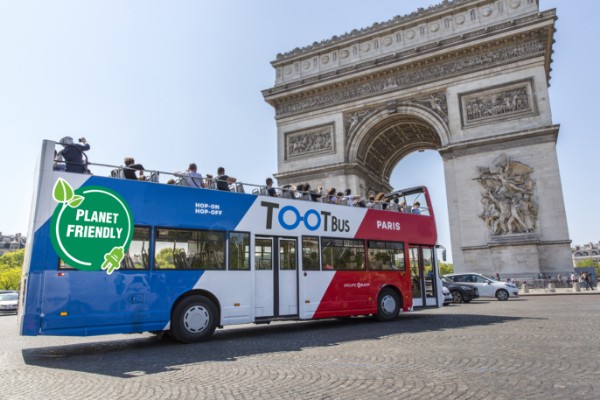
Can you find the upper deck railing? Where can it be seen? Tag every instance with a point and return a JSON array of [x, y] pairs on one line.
[[411, 201]]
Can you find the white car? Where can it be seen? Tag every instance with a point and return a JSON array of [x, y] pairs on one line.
[[447, 295], [9, 302], [487, 287]]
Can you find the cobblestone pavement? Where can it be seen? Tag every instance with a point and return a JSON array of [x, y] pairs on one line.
[[527, 348]]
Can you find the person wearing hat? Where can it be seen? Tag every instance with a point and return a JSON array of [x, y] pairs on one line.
[[73, 154]]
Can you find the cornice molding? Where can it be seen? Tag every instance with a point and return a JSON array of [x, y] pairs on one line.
[[322, 74], [500, 142]]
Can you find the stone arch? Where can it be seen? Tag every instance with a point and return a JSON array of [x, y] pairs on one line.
[[475, 90], [383, 138]]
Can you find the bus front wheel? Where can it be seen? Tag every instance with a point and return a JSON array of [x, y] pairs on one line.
[[194, 319], [388, 305]]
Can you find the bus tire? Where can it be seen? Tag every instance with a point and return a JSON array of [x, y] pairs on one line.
[[194, 319], [388, 305]]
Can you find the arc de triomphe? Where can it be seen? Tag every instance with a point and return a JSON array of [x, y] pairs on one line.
[[468, 78]]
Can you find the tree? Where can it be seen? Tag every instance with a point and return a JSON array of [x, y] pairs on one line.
[[13, 259], [11, 265], [446, 268]]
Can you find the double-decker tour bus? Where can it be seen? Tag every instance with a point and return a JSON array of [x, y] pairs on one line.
[[108, 255]]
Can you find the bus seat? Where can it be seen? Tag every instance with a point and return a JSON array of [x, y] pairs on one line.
[[239, 187], [154, 176]]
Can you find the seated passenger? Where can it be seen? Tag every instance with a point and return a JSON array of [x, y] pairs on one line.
[[394, 204], [300, 191], [288, 192], [350, 197], [223, 180], [331, 195], [192, 177], [380, 202], [270, 189], [416, 208], [313, 195], [131, 167], [371, 202]]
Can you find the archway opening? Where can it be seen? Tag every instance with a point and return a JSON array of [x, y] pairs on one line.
[[425, 167], [401, 151]]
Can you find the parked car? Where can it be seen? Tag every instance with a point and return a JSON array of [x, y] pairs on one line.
[[487, 287], [461, 293], [8, 302], [447, 295]]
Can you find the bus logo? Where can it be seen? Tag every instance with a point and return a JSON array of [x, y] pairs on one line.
[[91, 227], [312, 219]]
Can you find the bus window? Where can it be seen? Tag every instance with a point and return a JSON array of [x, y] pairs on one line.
[[263, 250], [287, 254], [386, 256], [342, 254], [189, 249], [310, 253], [136, 256], [239, 251]]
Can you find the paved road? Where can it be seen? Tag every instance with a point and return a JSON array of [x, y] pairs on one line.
[[529, 348]]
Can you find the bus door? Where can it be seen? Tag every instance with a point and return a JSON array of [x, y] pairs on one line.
[[423, 276], [276, 283]]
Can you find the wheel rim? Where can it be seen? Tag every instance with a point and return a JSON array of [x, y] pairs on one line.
[[502, 295], [456, 297], [196, 319], [388, 304]]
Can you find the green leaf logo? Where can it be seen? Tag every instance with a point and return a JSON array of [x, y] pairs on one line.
[[76, 201], [63, 192]]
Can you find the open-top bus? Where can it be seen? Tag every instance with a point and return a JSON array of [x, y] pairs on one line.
[[109, 255]]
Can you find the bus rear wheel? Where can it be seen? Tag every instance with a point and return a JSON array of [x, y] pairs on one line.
[[194, 319], [388, 305]]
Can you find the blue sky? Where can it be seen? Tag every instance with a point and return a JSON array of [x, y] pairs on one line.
[[171, 82]]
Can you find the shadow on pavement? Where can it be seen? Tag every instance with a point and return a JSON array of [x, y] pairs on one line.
[[150, 355]]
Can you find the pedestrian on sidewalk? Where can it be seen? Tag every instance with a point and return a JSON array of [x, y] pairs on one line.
[[588, 279]]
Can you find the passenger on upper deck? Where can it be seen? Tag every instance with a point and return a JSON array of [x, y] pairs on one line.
[[223, 180], [73, 154], [192, 177], [380, 202], [350, 197], [131, 167], [314, 196], [371, 201], [331, 195], [394, 206], [270, 189], [416, 209]]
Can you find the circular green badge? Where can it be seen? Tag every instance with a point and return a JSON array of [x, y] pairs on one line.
[[91, 227]]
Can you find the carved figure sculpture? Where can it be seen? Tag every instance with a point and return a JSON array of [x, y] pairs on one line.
[[507, 199]]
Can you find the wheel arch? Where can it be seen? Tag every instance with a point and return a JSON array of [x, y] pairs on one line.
[[199, 292], [395, 289]]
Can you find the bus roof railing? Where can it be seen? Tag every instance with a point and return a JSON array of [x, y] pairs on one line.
[[287, 191]]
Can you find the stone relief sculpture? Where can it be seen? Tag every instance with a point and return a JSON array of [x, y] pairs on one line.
[[436, 102], [497, 103], [304, 143], [406, 79], [507, 201]]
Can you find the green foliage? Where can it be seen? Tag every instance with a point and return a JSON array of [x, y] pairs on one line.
[[446, 268], [589, 263], [10, 269], [14, 259], [164, 259]]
